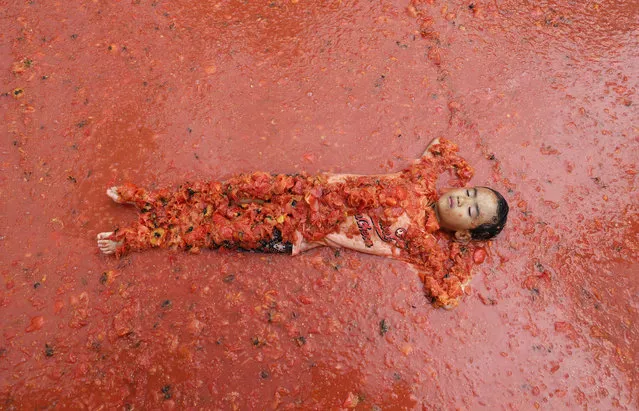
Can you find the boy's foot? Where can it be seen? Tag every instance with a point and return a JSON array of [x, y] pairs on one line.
[[106, 245], [113, 193]]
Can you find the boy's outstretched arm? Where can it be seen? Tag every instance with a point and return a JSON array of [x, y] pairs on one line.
[[428, 152]]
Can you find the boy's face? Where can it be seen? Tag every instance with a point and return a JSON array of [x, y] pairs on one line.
[[463, 209]]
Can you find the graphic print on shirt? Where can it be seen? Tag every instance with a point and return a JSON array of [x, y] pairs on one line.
[[365, 229], [383, 231]]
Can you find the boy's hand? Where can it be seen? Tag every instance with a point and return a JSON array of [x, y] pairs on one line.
[[433, 143]]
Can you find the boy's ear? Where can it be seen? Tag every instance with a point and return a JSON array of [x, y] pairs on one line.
[[462, 236]]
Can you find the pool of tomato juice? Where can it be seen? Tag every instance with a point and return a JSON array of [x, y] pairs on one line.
[[540, 98]]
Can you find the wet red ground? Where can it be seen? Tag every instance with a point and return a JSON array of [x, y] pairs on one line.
[[542, 98]]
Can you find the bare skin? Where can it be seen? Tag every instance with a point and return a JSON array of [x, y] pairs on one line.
[[104, 244]]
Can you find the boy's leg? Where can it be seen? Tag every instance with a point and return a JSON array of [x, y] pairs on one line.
[[107, 244], [129, 194]]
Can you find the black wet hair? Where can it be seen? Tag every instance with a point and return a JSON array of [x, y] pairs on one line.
[[487, 231]]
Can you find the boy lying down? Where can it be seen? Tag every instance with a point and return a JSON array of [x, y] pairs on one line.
[[399, 215]]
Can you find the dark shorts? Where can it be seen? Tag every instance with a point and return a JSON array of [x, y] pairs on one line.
[[275, 245]]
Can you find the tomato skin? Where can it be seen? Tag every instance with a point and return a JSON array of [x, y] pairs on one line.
[[35, 324], [305, 300], [351, 401], [479, 255]]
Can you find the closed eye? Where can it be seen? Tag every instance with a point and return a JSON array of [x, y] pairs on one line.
[[468, 193], [470, 214]]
